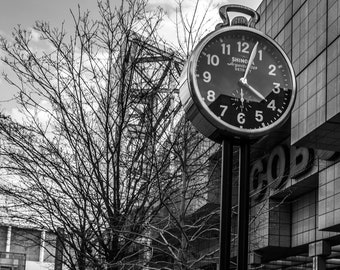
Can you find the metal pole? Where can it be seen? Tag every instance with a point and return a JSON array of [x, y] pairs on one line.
[[226, 195], [243, 207]]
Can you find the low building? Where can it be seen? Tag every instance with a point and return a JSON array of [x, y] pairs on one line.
[[24, 248]]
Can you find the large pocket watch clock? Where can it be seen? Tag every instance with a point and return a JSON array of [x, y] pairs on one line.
[[238, 83]]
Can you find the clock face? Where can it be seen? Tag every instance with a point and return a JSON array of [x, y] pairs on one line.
[[242, 81]]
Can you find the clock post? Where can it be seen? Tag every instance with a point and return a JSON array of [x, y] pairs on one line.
[[243, 206], [238, 85], [226, 203]]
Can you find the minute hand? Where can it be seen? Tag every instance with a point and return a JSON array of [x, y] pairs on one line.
[[250, 61]]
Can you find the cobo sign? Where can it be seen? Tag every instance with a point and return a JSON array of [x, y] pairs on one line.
[[281, 164]]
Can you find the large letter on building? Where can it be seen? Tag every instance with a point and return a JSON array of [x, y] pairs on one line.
[[258, 181], [277, 167]]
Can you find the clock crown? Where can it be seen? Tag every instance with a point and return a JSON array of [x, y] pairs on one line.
[[239, 20]]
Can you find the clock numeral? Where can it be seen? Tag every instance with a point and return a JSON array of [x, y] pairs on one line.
[[276, 89], [259, 116], [206, 76], [272, 69], [213, 59], [271, 105], [225, 48], [260, 52], [211, 96], [241, 118], [224, 109], [243, 47]]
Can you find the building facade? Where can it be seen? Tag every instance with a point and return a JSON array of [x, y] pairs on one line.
[[300, 227], [296, 192], [295, 173]]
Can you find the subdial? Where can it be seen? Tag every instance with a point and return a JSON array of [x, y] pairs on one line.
[[240, 100]]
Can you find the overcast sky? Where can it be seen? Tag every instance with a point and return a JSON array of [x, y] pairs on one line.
[[26, 12]]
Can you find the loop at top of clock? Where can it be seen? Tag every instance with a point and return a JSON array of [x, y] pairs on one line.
[[238, 20]]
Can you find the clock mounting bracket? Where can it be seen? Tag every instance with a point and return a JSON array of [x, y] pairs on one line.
[[238, 20]]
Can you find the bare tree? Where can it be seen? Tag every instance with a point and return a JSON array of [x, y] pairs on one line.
[[189, 217], [101, 157], [86, 156]]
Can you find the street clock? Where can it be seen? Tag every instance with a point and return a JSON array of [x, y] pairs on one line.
[[238, 83]]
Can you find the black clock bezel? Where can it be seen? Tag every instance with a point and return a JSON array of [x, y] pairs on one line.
[[222, 127]]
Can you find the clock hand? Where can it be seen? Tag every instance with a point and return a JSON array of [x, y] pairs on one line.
[[252, 89], [242, 98], [250, 62]]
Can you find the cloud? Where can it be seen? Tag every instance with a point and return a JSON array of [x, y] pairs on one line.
[[35, 35], [169, 6], [208, 8], [42, 114], [172, 26]]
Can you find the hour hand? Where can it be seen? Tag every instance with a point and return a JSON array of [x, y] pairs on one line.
[[245, 84]]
